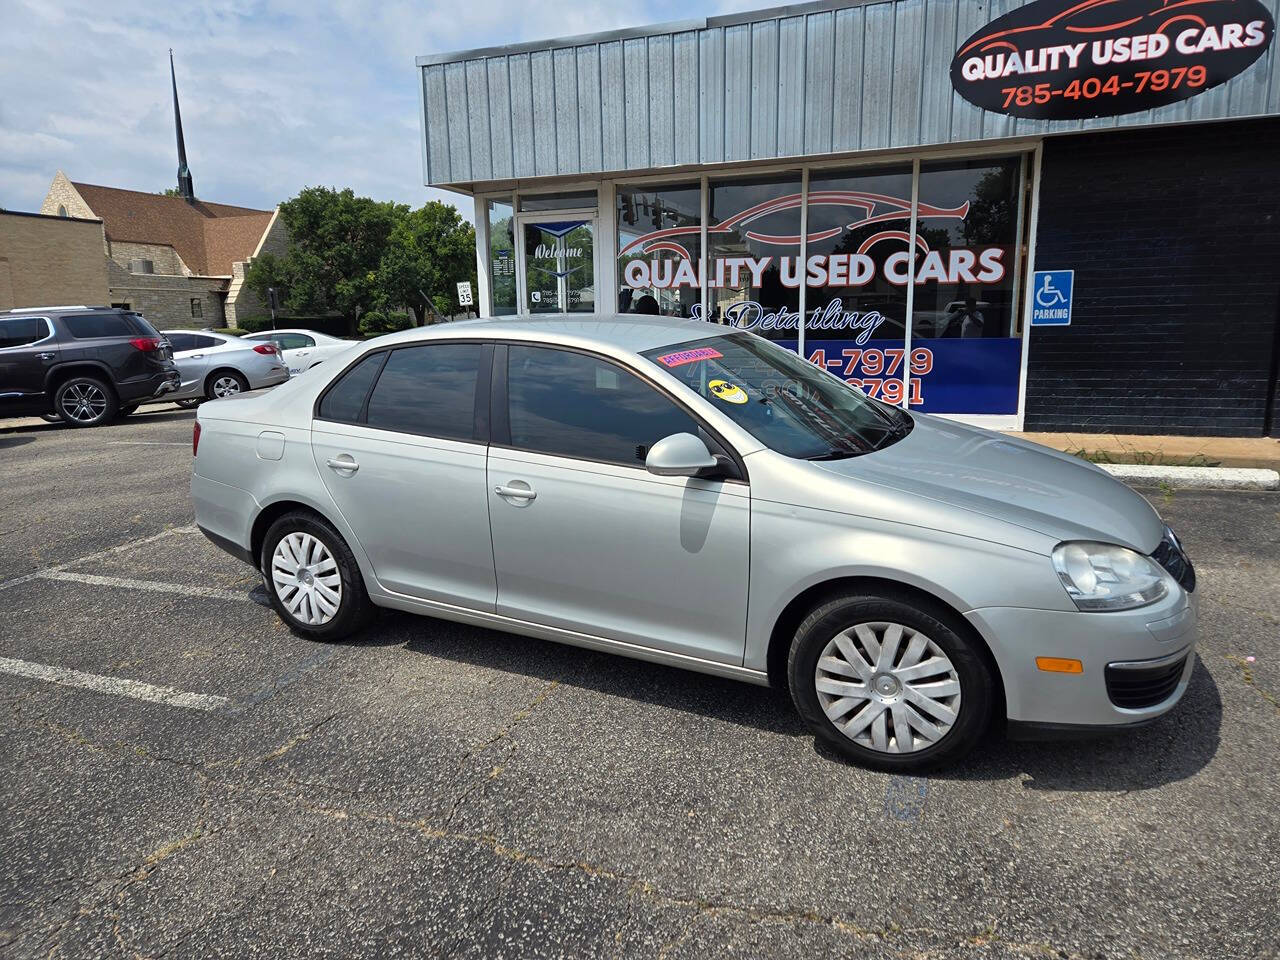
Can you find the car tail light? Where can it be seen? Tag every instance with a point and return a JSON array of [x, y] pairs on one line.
[[146, 344], [195, 439], [268, 348]]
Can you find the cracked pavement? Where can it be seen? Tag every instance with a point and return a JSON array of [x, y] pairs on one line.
[[437, 790]]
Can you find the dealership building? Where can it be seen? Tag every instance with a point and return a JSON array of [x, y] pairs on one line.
[[1055, 215]]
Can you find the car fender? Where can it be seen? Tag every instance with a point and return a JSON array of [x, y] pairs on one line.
[[794, 549], [62, 365]]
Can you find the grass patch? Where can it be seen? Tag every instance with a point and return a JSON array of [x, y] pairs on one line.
[[1150, 458]]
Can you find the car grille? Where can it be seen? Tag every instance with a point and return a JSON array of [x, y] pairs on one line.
[[1170, 556], [1136, 687]]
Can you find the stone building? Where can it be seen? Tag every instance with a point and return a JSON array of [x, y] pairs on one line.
[[178, 261], [50, 260]]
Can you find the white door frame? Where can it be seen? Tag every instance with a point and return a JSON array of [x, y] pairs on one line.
[[590, 215]]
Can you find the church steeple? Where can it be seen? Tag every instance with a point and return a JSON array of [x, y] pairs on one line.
[[185, 188]]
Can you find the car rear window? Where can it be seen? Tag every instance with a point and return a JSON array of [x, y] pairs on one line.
[[86, 326]]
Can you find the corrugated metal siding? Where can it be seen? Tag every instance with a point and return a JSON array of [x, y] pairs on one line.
[[813, 79]]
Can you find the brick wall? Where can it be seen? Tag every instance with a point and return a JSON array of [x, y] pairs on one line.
[[1174, 235], [241, 301], [164, 259], [50, 260], [62, 193], [166, 300]]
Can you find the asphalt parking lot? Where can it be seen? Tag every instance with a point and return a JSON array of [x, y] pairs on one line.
[[439, 790]]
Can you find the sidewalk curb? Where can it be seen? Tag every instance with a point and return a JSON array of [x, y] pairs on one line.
[[1195, 478]]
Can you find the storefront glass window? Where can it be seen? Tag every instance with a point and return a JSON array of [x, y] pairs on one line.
[[966, 270], [753, 255], [660, 249], [575, 200], [856, 274], [502, 258], [559, 259]]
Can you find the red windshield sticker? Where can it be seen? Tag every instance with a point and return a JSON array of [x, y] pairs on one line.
[[689, 356]]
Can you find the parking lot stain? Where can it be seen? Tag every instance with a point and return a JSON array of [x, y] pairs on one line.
[[904, 798]]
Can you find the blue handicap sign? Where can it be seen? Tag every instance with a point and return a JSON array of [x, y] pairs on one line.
[[1051, 298]]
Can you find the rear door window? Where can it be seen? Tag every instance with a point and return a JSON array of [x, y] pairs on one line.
[[181, 341], [344, 401], [87, 326], [428, 390]]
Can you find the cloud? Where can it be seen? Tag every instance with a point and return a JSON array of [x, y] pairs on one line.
[[275, 94]]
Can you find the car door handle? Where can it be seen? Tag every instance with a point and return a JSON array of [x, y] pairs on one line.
[[196, 356], [342, 463], [515, 493], [45, 356]]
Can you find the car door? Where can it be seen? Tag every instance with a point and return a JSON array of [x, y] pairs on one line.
[[296, 348], [28, 349], [191, 360], [584, 538], [400, 442]]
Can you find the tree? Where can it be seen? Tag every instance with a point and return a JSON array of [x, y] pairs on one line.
[[429, 251], [336, 244]]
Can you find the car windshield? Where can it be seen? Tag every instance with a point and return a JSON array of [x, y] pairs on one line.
[[785, 402]]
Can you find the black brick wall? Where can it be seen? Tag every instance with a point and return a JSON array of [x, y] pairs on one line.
[[1174, 235]]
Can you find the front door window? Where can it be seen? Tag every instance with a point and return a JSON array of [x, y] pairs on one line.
[[559, 266]]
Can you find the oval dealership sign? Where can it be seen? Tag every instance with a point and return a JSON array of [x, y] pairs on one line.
[[1071, 59]]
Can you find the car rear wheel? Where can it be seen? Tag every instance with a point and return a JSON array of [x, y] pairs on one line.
[[313, 579], [225, 383], [84, 401], [190, 403], [889, 683]]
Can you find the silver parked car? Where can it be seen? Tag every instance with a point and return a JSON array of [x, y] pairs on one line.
[[694, 495], [215, 365]]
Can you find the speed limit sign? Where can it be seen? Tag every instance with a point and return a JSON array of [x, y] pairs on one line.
[[464, 294]]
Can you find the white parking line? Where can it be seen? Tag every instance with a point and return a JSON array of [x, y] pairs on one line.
[[155, 443], [152, 585], [114, 685], [58, 568]]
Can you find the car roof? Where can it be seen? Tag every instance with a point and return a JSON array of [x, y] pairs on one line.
[[309, 333], [629, 332]]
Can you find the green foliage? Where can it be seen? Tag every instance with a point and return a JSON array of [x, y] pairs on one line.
[[376, 322], [253, 323], [350, 256], [431, 249]]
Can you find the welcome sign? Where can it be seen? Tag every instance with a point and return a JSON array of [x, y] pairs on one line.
[[1076, 59]]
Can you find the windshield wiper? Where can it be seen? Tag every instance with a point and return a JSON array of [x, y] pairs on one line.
[[837, 455]]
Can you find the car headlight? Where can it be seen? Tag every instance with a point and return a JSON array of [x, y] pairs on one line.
[[1102, 576]]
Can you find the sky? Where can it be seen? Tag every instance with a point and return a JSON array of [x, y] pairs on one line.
[[275, 95]]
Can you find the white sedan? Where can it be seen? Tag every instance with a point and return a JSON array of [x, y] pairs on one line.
[[302, 349]]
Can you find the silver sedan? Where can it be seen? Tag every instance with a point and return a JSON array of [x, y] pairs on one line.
[[216, 365], [695, 495]]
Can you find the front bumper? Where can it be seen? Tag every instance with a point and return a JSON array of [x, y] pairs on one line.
[[1136, 663]]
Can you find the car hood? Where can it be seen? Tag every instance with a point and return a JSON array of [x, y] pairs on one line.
[[1012, 480]]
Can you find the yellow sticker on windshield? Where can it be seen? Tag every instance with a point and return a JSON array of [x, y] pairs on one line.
[[728, 392]]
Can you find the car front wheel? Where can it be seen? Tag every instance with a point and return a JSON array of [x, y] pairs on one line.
[[888, 683], [313, 579], [85, 401]]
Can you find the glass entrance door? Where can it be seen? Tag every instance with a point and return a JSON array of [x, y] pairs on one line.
[[558, 264]]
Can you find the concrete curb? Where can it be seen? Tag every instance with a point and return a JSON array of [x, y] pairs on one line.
[[1195, 478]]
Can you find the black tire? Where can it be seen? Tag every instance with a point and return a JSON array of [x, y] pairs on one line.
[[85, 401], [51, 417], [934, 624], [212, 384], [190, 403], [126, 411], [354, 609]]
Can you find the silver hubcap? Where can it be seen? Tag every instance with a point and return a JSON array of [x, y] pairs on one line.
[[226, 387], [83, 402], [887, 687], [306, 578]]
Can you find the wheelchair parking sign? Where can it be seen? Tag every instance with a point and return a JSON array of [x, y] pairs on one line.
[[1051, 298]]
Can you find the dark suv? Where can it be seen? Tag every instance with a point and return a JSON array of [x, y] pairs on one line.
[[85, 365]]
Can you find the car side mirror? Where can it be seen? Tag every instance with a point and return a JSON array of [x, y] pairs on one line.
[[680, 455]]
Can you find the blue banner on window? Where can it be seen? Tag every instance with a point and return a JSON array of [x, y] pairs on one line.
[[948, 375]]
